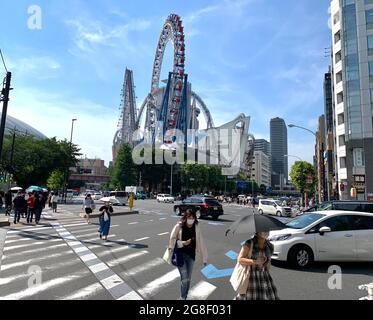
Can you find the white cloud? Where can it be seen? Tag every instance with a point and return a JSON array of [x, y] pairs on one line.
[[51, 114], [40, 67]]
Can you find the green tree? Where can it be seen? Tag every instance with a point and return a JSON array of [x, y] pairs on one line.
[[56, 180], [124, 172], [34, 160], [299, 173]]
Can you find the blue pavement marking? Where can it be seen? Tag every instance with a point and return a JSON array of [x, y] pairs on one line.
[[211, 272], [216, 223], [232, 255]]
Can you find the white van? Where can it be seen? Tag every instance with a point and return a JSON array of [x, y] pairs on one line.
[[274, 207]]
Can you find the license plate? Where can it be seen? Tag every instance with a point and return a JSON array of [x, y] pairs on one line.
[[215, 208]]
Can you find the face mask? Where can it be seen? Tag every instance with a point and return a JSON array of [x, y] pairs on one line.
[[264, 235], [190, 221]]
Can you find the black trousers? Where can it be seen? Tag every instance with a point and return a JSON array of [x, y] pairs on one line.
[[30, 214], [17, 214]]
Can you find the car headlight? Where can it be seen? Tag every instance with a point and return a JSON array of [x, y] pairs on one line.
[[280, 237]]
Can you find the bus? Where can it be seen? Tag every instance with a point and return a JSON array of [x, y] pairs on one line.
[[121, 196]]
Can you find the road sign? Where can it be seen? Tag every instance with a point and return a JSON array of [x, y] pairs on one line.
[[242, 184]]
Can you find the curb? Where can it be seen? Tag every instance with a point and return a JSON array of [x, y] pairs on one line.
[[2, 242], [4, 222], [120, 213]]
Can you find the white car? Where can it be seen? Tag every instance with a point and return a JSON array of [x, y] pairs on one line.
[[96, 196], [165, 198], [274, 207], [336, 236]]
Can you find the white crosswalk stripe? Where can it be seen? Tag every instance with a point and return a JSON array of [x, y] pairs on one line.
[[84, 293], [201, 291], [145, 267], [152, 288], [115, 262]]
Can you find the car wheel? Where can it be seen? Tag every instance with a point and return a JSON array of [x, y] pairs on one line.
[[278, 213], [198, 214], [300, 256], [179, 212], [261, 211]]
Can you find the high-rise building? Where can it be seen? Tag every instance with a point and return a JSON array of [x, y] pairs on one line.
[[279, 150], [328, 102], [262, 145], [261, 173], [352, 31], [320, 160]]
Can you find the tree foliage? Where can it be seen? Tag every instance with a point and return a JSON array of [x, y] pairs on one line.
[[34, 160], [56, 180], [299, 173], [124, 171]]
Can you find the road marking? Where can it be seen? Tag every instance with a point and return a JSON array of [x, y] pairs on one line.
[[42, 287], [113, 283], [75, 224], [133, 223], [52, 267], [87, 235], [29, 229], [97, 238], [29, 261], [162, 218], [143, 267], [84, 293], [201, 291], [232, 255], [149, 220], [115, 262], [157, 285], [162, 234], [41, 238], [22, 253], [211, 272], [31, 244], [141, 239]]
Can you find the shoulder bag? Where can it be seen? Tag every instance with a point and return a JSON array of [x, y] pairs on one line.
[[241, 276]]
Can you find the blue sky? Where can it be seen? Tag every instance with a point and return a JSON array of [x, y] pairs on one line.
[[264, 58]]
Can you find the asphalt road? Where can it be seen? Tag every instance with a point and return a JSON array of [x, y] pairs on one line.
[[75, 264]]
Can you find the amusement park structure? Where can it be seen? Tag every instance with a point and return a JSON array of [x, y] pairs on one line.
[[175, 106]]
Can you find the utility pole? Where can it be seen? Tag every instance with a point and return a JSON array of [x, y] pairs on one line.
[[4, 97]]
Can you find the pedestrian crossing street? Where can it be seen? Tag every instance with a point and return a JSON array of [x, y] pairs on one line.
[[65, 259]]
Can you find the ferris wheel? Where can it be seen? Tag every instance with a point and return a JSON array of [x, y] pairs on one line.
[[172, 31]]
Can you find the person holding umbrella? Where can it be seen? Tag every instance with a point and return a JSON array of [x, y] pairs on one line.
[[105, 219], [256, 254]]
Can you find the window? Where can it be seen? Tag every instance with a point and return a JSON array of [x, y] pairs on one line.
[[369, 18], [344, 206], [338, 57], [342, 140], [341, 118], [368, 1], [358, 157], [337, 37], [370, 71], [339, 97], [338, 77], [336, 18], [370, 45], [363, 223], [342, 163], [367, 207], [337, 224]]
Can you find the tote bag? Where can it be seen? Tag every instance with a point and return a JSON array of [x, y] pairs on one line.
[[241, 275]]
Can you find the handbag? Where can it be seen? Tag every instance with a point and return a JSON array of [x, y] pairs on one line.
[[177, 258], [167, 256], [241, 276]]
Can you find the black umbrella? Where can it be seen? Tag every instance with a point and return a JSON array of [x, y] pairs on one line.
[[254, 223]]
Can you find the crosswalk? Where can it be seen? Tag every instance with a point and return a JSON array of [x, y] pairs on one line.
[[75, 264]]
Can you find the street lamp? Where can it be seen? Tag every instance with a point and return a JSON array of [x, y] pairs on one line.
[[67, 169], [289, 155], [299, 127]]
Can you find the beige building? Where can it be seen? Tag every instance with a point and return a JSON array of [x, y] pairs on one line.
[[261, 172]]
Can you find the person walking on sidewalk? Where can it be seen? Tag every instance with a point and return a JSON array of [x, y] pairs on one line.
[[38, 207], [105, 220], [30, 207], [261, 285], [8, 202], [18, 204], [188, 237], [54, 201], [88, 206]]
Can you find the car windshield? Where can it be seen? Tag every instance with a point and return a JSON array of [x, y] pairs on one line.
[[325, 206], [212, 202], [279, 203], [167, 195], [304, 221]]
